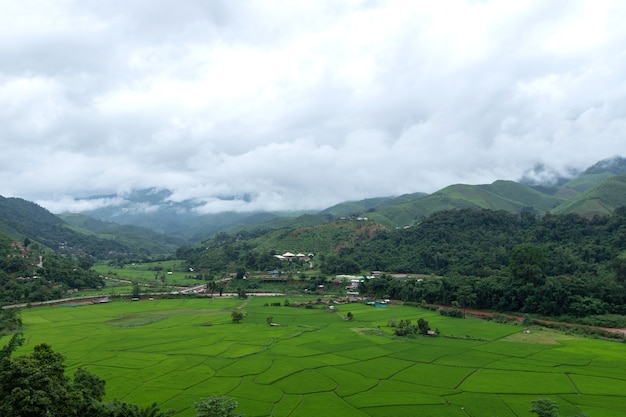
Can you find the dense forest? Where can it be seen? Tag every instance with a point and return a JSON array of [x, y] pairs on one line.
[[547, 264], [551, 265]]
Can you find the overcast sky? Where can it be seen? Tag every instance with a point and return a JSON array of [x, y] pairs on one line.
[[302, 104]]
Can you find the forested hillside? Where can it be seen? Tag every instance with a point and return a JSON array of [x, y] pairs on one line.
[[138, 239], [28, 274], [23, 219], [550, 264]]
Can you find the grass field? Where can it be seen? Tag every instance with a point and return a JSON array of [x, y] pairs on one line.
[[317, 364]]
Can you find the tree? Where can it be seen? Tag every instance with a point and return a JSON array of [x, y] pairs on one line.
[[618, 265], [241, 293], [16, 341], [423, 327], [405, 328], [10, 319], [237, 316], [136, 291], [212, 286], [241, 273], [527, 263], [466, 297], [544, 407], [216, 406], [35, 385]]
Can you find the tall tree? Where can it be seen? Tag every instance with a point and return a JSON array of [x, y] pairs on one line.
[[216, 406], [527, 262], [544, 407]]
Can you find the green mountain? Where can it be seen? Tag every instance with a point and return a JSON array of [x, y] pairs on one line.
[[153, 209], [500, 195], [21, 219], [600, 200], [138, 239], [592, 176]]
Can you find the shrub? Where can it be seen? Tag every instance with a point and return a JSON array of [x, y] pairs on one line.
[[451, 312]]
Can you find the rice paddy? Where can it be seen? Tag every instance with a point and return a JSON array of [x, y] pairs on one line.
[[316, 363]]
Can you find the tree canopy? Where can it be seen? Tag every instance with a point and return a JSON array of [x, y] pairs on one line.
[[36, 385]]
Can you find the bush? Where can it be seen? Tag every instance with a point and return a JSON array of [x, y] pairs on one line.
[[451, 312]]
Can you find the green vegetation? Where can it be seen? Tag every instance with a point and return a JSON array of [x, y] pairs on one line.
[[565, 266], [599, 200], [10, 320], [138, 240], [35, 385], [217, 406], [21, 219], [179, 351], [29, 274], [236, 316]]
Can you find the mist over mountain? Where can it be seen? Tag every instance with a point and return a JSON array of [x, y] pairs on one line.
[[542, 188], [542, 175], [615, 165]]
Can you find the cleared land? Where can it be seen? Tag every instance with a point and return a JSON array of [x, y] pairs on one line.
[[317, 364]]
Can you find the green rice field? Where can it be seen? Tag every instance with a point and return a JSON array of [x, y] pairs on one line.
[[315, 363]]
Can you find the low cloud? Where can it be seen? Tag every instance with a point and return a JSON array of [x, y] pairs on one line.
[[298, 106]]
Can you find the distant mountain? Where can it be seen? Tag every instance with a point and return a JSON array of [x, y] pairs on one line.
[[152, 209], [553, 195], [21, 219], [500, 195], [615, 165], [138, 239], [541, 189]]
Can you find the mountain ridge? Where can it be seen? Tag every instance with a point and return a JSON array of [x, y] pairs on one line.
[[180, 219]]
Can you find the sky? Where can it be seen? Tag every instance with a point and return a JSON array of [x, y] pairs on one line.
[[292, 105]]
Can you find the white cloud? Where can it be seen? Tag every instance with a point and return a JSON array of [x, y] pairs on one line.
[[61, 204], [302, 105]]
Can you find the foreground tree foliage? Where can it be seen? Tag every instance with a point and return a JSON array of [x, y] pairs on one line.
[[10, 320], [35, 385]]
